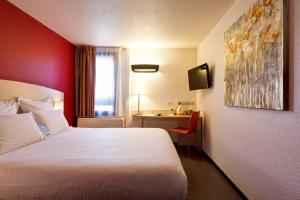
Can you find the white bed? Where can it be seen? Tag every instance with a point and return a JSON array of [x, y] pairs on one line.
[[79, 163], [95, 164]]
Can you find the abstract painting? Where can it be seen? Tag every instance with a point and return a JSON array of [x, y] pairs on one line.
[[256, 57]]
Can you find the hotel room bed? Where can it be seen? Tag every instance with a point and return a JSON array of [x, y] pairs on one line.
[[79, 163]]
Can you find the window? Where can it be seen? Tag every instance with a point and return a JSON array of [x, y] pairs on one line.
[[105, 93]]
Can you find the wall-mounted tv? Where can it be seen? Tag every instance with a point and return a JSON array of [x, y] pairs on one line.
[[199, 77]]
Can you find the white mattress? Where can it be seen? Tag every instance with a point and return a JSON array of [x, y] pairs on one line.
[[80, 163]]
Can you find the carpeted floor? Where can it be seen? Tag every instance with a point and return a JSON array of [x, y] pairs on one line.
[[204, 180]]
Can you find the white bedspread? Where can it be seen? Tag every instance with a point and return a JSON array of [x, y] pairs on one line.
[[102, 163]]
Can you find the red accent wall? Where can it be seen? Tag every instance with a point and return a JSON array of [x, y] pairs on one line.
[[30, 52]]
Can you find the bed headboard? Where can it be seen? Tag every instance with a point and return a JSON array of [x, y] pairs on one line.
[[12, 89]]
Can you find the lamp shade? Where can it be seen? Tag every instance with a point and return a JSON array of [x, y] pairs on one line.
[[144, 68]]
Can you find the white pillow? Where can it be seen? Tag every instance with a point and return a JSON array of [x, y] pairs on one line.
[[54, 120], [17, 131], [8, 107], [28, 105]]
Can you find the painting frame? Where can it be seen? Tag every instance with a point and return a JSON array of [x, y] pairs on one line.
[[266, 94]]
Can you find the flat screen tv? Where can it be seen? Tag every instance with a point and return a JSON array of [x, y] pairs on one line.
[[199, 77]]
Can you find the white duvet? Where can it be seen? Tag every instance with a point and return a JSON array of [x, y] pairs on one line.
[[102, 163]]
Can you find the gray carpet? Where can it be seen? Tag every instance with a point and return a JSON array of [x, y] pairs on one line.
[[204, 180]]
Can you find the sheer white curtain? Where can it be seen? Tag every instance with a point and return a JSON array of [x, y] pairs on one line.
[[122, 83], [112, 93]]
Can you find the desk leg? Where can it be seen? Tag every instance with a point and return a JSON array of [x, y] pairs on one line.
[[199, 135], [142, 122]]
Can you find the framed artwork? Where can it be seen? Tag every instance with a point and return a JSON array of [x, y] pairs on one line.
[[256, 57]]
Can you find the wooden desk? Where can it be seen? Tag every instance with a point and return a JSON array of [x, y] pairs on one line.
[[163, 116]]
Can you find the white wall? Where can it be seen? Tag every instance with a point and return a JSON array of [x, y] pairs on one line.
[[170, 83], [258, 149]]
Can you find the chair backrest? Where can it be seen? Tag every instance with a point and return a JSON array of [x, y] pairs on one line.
[[193, 121]]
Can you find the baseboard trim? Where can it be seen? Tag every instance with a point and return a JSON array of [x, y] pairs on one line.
[[241, 194]]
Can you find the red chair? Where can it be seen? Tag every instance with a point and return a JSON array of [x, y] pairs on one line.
[[192, 127]]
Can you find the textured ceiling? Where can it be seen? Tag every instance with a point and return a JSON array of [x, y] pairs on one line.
[[132, 23]]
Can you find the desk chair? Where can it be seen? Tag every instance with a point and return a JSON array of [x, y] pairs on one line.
[[192, 127]]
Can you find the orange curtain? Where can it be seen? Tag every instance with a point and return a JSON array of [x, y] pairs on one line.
[[85, 67]]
